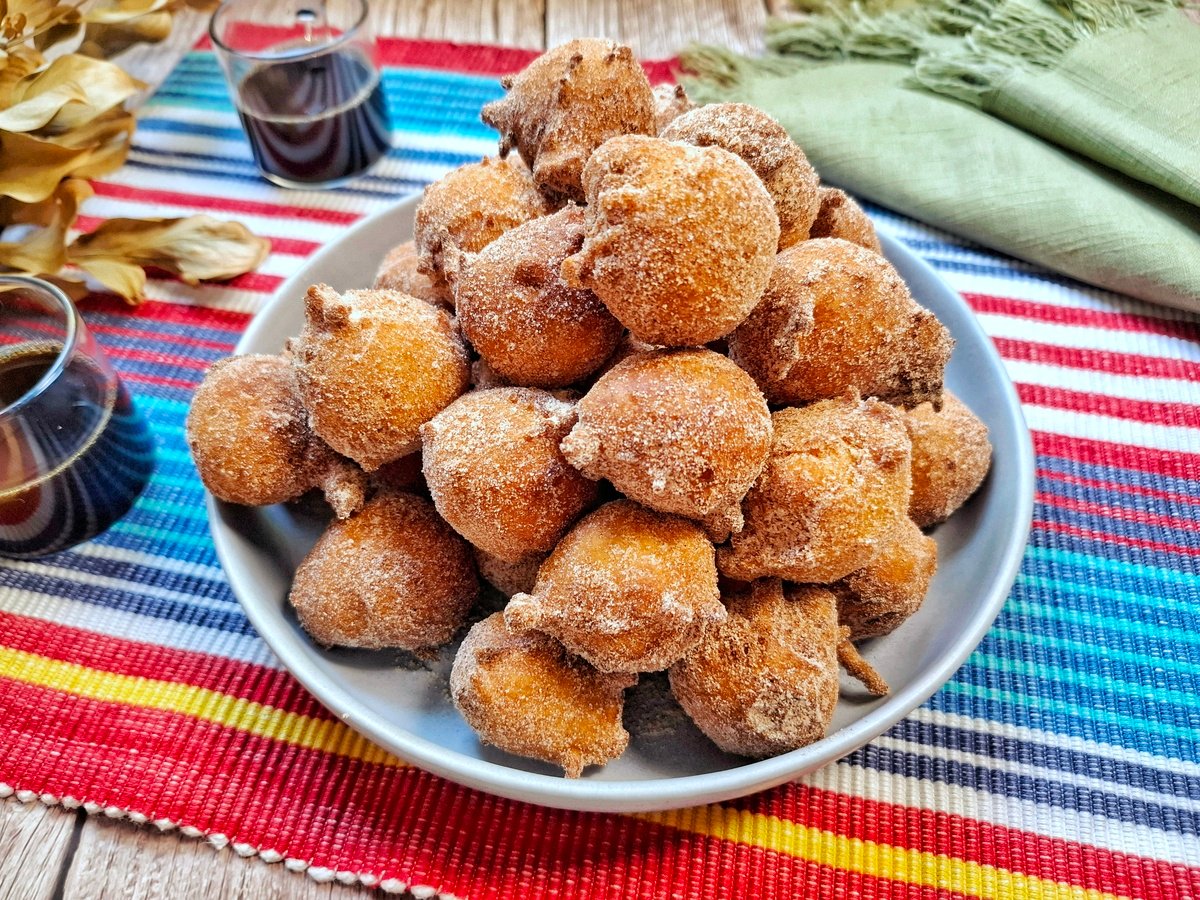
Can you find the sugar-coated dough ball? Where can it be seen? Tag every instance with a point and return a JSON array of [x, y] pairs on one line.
[[841, 217], [509, 576], [951, 457], [628, 589], [494, 469], [523, 693], [877, 598], [373, 367], [522, 318], [763, 143], [568, 102], [670, 102], [394, 575], [838, 317], [398, 272], [837, 481], [680, 239], [766, 680], [679, 431], [468, 209]]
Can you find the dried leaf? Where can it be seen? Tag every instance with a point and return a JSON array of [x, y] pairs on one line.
[[121, 277], [107, 137], [31, 168], [73, 91], [122, 11], [103, 41], [19, 64], [196, 248], [44, 249]]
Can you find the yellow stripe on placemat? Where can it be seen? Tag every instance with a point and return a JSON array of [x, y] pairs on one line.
[[197, 702], [917, 867]]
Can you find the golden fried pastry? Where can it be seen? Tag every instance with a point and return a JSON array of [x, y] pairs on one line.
[[249, 437], [670, 102], [877, 598], [768, 149], [373, 366], [951, 457], [526, 695], [495, 472], [841, 217], [398, 272], [394, 575], [468, 209], [628, 589], [866, 332], [509, 577], [680, 239], [679, 431], [765, 681], [568, 102], [837, 481], [520, 316]]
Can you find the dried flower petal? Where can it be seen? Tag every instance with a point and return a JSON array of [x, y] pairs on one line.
[[73, 91], [43, 251]]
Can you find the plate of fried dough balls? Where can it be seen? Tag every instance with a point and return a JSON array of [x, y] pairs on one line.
[[627, 468]]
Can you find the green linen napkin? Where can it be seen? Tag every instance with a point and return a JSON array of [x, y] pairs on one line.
[[1095, 175]]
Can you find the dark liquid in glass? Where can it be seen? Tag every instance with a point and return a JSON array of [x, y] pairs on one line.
[[87, 478], [315, 120]]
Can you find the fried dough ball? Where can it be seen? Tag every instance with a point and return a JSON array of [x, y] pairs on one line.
[[520, 316], [680, 239], [398, 272], [568, 102], [373, 367], [509, 577], [468, 209], [837, 481], [877, 598], [766, 680], [249, 436], [403, 474], [670, 102], [526, 695], [495, 472], [866, 332], [841, 217], [951, 457], [628, 589], [394, 575], [679, 431], [763, 143]]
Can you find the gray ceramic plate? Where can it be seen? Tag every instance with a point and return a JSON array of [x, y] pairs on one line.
[[404, 705]]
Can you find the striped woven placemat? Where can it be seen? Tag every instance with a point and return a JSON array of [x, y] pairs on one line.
[[1060, 761]]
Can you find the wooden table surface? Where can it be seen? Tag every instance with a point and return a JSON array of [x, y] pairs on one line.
[[49, 851]]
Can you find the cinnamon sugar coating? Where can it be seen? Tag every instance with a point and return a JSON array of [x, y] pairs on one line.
[[866, 332], [837, 481], [249, 436], [493, 466], [841, 217], [763, 143], [509, 576], [522, 318], [373, 366], [394, 575], [628, 589], [523, 693], [951, 457], [670, 102], [680, 239], [568, 102], [468, 209], [679, 431], [398, 272], [879, 597], [766, 680]]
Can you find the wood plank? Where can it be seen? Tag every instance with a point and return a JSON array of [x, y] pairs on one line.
[[662, 28], [117, 860], [152, 63], [508, 22], [35, 841]]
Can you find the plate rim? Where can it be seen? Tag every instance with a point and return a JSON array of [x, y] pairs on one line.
[[593, 795]]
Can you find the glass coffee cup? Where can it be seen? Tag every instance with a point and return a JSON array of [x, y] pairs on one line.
[[74, 451]]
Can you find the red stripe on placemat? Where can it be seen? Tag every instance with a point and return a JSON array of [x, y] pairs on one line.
[[949, 834], [162, 311], [1138, 489], [1098, 360], [1125, 456], [183, 384], [1184, 415], [1111, 538], [179, 338], [282, 245], [1118, 513], [1074, 315], [227, 204]]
